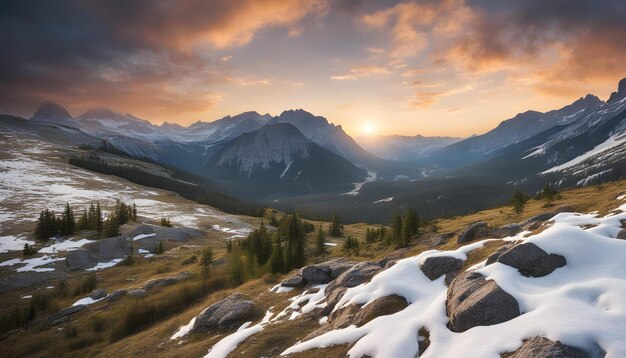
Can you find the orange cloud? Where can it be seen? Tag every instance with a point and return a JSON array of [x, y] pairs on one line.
[[361, 71]]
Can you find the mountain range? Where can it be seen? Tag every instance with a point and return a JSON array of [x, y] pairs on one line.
[[297, 154]]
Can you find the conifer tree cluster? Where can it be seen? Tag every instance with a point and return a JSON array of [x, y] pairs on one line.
[[351, 246], [336, 228], [49, 224], [518, 201], [264, 251]]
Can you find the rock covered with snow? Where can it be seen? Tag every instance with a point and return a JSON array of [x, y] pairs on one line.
[[531, 260], [474, 301], [229, 313], [506, 230], [536, 221], [62, 315], [354, 276], [474, 231], [541, 347]]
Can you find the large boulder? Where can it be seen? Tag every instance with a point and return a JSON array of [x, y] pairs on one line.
[[293, 281], [506, 230], [137, 293], [502, 249], [541, 347], [531, 260], [316, 274], [227, 314], [474, 231], [62, 315], [356, 275], [338, 266], [474, 301], [443, 238], [536, 221], [80, 259], [109, 248], [359, 315], [437, 266], [622, 234], [167, 281], [98, 294]]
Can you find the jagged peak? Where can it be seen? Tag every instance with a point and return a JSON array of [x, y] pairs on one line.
[[620, 93]]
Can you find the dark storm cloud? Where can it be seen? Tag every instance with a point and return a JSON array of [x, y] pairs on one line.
[[79, 52]]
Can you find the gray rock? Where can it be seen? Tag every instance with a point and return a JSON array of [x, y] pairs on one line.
[[98, 294], [137, 293], [474, 231], [506, 230], [540, 347], [394, 256], [383, 306], [167, 281], [229, 313], [536, 221], [116, 295], [502, 249], [473, 301], [356, 275], [293, 281], [531, 260], [316, 274], [622, 234], [338, 266], [443, 238], [62, 315], [79, 259], [435, 267], [109, 248]]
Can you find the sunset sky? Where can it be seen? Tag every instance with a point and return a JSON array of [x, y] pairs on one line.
[[424, 67]]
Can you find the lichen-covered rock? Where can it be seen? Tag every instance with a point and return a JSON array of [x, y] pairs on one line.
[[531, 260], [79, 259], [474, 301], [443, 238], [541, 347], [167, 281], [437, 266], [228, 314], [474, 231], [356, 275]]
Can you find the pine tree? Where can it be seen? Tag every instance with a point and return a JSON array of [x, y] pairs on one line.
[[98, 220], [518, 201], [236, 266], [206, 262], [319, 241], [277, 264], [159, 250], [335, 226], [409, 226], [396, 230], [134, 212], [69, 223]]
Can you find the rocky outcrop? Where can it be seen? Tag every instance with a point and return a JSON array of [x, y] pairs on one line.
[[167, 281], [356, 275], [63, 315], [506, 230], [116, 295], [443, 238], [536, 221], [531, 260], [80, 259], [294, 280], [540, 347], [359, 315], [437, 266], [137, 293], [502, 249], [474, 231], [98, 294], [474, 301], [316, 274], [227, 314]]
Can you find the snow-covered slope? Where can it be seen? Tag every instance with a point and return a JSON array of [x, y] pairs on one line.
[[514, 130]]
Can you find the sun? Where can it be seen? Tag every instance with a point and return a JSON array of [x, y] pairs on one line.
[[368, 129]]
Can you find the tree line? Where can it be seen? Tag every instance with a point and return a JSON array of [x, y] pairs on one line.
[[187, 185], [50, 224]]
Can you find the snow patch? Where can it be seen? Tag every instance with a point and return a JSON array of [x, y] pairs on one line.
[[611, 142], [228, 344]]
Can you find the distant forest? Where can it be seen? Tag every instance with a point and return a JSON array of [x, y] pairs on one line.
[[183, 184]]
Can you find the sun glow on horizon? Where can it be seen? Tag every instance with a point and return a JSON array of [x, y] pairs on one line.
[[368, 129]]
